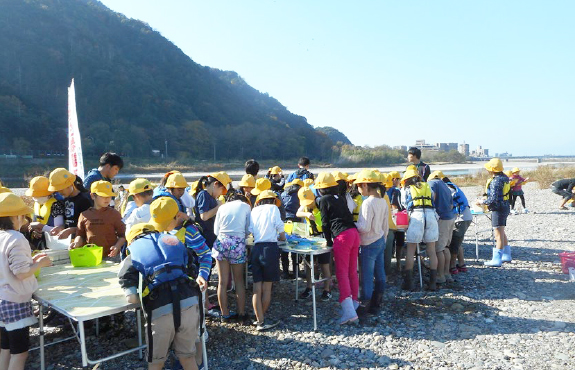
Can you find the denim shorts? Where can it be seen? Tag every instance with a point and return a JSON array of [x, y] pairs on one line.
[[265, 262], [499, 218]]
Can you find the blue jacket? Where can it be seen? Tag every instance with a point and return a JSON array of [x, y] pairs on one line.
[[443, 201], [92, 176], [291, 201]]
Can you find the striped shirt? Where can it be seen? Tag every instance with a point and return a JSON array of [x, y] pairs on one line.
[[195, 241]]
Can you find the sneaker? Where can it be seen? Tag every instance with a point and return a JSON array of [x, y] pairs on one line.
[[453, 271], [513, 212], [462, 268], [525, 210], [326, 296], [448, 278], [564, 208], [267, 325], [306, 294], [232, 316], [244, 319]]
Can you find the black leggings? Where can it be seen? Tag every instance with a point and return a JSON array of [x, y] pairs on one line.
[[514, 198], [17, 341]]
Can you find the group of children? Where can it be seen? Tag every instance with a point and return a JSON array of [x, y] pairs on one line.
[[173, 233]]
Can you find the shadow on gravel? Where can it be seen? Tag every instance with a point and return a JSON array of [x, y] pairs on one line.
[[448, 319]]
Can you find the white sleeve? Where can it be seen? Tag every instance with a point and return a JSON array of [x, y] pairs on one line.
[[217, 221], [278, 223]]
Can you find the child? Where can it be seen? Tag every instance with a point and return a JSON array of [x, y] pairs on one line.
[[252, 167], [393, 191], [443, 202], [76, 200], [101, 225], [343, 187], [48, 211], [290, 200], [246, 185], [309, 211], [170, 322], [110, 165], [516, 189], [417, 199], [173, 185], [303, 170], [276, 178], [17, 283], [142, 191], [265, 225], [497, 200], [373, 226], [341, 233], [232, 227], [414, 156], [462, 222]]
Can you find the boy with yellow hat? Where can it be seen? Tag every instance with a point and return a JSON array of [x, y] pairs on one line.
[[277, 179], [17, 268], [171, 292], [48, 211], [101, 224], [142, 191], [497, 200]]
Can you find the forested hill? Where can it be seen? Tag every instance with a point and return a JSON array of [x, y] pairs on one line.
[[134, 89]]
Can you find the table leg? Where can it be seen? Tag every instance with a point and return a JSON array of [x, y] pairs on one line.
[[83, 343], [41, 323], [476, 239], [139, 323], [313, 291], [203, 339], [297, 280]]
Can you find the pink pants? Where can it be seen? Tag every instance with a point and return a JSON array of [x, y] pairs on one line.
[[345, 252]]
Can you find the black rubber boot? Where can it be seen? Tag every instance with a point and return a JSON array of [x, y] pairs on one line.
[[375, 304], [407, 280], [432, 286]]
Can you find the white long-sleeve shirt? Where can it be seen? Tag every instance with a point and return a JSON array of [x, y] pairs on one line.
[[233, 219], [266, 223], [373, 221]]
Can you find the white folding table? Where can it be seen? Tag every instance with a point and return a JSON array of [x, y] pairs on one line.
[[476, 217], [83, 294], [318, 247]]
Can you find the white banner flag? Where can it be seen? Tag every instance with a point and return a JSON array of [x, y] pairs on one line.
[[75, 161]]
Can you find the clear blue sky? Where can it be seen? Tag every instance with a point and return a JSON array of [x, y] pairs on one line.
[[492, 73]]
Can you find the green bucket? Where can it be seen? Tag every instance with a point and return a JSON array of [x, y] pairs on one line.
[[89, 255]]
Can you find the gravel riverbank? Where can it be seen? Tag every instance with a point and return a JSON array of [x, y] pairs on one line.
[[520, 316]]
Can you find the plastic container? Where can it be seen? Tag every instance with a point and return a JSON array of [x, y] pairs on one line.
[[89, 255], [52, 242], [401, 218], [567, 260]]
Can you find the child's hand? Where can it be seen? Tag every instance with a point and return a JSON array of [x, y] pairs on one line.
[[43, 260], [35, 226], [65, 233], [73, 245], [55, 231], [202, 283], [36, 257], [114, 250]]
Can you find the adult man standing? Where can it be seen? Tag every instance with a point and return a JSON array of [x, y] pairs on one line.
[[414, 156], [110, 165]]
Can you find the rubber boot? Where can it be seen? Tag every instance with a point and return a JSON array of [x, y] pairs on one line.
[[375, 304], [349, 314], [496, 260], [432, 285], [506, 255], [407, 280]]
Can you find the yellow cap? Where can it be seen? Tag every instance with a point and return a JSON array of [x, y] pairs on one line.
[[307, 182], [4, 190], [60, 179], [367, 177], [324, 180], [39, 187], [515, 170], [408, 175], [13, 205], [275, 170], [138, 229], [388, 181], [248, 181], [223, 178], [194, 186], [394, 175], [306, 196], [102, 188], [268, 194], [508, 173], [411, 167], [138, 186], [494, 165], [176, 181], [262, 184], [339, 175], [296, 181], [162, 211], [351, 178], [383, 178], [436, 174]]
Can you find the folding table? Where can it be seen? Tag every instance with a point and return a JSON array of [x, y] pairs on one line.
[[476, 217]]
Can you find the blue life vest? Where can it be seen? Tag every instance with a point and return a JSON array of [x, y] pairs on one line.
[[160, 258], [161, 191], [460, 202]]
